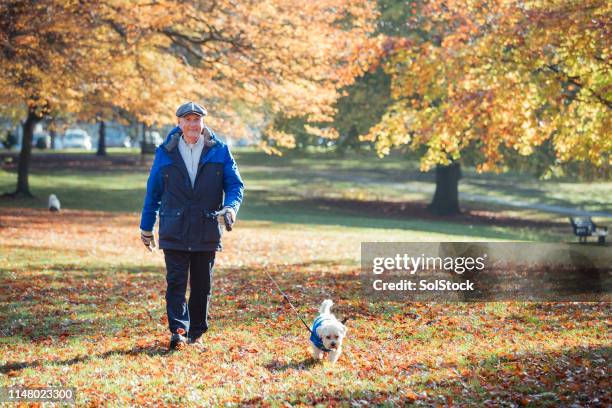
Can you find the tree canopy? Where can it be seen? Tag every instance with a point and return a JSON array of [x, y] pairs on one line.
[[146, 57], [497, 74], [246, 61]]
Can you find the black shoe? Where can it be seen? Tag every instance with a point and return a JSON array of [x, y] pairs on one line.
[[177, 341]]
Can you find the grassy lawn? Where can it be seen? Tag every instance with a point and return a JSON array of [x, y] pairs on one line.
[[398, 179], [319, 189], [83, 303]]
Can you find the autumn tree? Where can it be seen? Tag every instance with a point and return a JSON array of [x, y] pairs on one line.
[[53, 58], [365, 101], [495, 75], [252, 59], [33, 40]]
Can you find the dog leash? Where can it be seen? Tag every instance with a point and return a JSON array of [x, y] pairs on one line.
[[288, 301], [291, 304]]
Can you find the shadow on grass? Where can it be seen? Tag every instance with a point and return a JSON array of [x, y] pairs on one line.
[[557, 377], [575, 312], [81, 198], [278, 205], [70, 299], [308, 363], [150, 351], [41, 305], [511, 188], [264, 206], [38, 306], [83, 162], [574, 377]]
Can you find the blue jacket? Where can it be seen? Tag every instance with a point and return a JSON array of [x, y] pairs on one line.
[[314, 337], [185, 212]]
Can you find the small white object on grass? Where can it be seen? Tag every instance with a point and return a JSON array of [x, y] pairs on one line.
[[54, 204]]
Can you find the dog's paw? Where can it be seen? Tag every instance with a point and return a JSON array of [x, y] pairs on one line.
[[333, 356], [316, 353]]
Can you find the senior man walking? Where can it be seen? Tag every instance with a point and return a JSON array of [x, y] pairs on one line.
[[194, 178]]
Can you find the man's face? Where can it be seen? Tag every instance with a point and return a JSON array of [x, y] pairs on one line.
[[192, 126]]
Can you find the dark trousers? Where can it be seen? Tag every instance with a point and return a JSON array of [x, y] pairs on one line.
[[191, 317]]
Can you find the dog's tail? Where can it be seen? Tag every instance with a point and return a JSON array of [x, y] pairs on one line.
[[326, 306]]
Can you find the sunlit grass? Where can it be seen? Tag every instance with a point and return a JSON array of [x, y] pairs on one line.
[[83, 306], [92, 317]]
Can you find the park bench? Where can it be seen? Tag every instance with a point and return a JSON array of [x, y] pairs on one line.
[[585, 227]]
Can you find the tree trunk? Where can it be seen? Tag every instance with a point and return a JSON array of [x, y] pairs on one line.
[[23, 185], [102, 140], [446, 197], [53, 134], [143, 144]]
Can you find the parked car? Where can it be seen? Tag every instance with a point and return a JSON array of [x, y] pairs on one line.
[[156, 138], [153, 138], [115, 139], [78, 138], [115, 136]]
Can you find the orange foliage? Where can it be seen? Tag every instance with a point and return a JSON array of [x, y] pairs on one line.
[[494, 74], [242, 59]]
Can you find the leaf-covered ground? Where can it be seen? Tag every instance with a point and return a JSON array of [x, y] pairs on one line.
[[82, 305]]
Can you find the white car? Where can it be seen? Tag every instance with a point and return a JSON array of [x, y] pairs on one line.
[[114, 140], [153, 138], [76, 138]]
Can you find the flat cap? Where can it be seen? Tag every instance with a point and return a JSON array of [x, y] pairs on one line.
[[191, 107]]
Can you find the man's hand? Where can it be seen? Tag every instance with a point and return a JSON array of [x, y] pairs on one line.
[[229, 211], [148, 239], [229, 217]]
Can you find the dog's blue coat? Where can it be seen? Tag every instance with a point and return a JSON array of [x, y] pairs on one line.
[[314, 337]]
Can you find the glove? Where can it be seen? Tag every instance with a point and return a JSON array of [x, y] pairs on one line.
[[148, 239], [231, 213], [229, 217]]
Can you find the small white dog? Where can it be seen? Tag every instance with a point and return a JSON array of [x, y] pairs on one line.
[[54, 203], [327, 333]]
